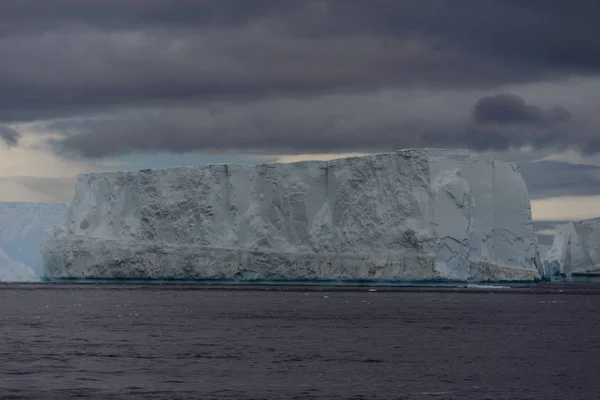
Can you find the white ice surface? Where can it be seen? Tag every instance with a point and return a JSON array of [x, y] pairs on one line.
[[575, 250], [409, 215], [22, 228]]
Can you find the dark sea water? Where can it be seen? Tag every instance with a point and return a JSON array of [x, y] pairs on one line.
[[178, 342]]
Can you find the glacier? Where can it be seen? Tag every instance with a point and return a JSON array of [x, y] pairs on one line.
[[575, 250], [410, 215], [22, 228]]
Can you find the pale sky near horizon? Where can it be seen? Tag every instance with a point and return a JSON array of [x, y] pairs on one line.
[[128, 84]]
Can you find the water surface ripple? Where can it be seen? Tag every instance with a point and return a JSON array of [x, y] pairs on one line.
[[180, 342]]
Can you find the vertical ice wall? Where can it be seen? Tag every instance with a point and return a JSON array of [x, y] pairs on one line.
[[483, 214]]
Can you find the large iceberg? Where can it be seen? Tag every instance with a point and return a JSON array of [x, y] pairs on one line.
[[575, 250], [411, 215], [22, 228]]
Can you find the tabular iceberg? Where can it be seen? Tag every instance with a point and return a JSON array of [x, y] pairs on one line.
[[22, 228], [575, 250], [411, 215]]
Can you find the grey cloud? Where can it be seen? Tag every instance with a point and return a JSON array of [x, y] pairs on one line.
[[68, 57], [280, 125], [503, 121], [9, 136], [507, 108], [375, 122], [555, 178], [548, 32], [284, 75], [17, 17], [239, 65]]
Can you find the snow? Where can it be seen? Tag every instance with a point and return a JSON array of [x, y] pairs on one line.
[[575, 250], [411, 215], [22, 228]]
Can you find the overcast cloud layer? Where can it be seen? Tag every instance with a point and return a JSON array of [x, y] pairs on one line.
[[260, 76]]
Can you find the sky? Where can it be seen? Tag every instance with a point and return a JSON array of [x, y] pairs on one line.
[[128, 84]]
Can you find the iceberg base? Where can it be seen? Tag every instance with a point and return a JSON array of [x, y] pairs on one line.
[[85, 258]]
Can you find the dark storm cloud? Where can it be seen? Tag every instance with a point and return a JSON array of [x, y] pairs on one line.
[[92, 71], [63, 54], [66, 58], [542, 32], [9, 135], [506, 108], [505, 120]]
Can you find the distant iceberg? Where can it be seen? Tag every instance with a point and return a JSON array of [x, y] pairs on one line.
[[575, 250], [22, 229], [14, 271], [411, 215]]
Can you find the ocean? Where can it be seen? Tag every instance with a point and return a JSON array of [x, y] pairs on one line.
[[171, 341]]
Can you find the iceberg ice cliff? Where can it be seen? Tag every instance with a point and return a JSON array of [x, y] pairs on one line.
[[22, 228], [411, 215], [575, 250]]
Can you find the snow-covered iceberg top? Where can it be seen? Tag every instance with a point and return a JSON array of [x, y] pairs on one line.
[[575, 250], [411, 215], [22, 228]]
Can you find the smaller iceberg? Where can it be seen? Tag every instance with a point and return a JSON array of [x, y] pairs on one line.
[[575, 251]]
